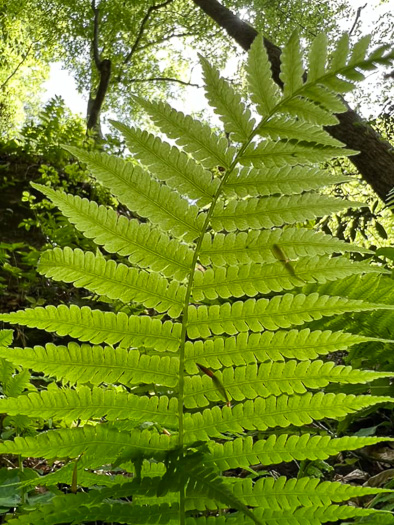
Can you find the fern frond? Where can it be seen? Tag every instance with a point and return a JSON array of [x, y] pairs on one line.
[[99, 444], [277, 154], [195, 137], [287, 180], [248, 348], [116, 281], [300, 516], [98, 327], [308, 111], [144, 195], [80, 511], [85, 403], [6, 337], [280, 128], [317, 57], [271, 412], [96, 365], [243, 452], [291, 377], [283, 493], [262, 181], [279, 312], [340, 54], [244, 247], [145, 246], [360, 49], [227, 103], [325, 98], [264, 92], [252, 279], [291, 69], [256, 213], [197, 478], [170, 164]]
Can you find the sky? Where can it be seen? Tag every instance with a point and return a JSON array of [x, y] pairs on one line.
[[62, 83]]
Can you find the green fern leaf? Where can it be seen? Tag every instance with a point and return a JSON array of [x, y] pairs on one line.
[[252, 381], [227, 104], [257, 246], [279, 312], [282, 493], [99, 444], [84, 403], [190, 471], [326, 98], [6, 337], [271, 412], [79, 510], [195, 137], [359, 51], [144, 195], [261, 365], [337, 85], [264, 92], [301, 516], [145, 246], [116, 281], [317, 57], [291, 67], [280, 128], [98, 327], [257, 213], [283, 181], [248, 348], [243, 452], [171, 165], [308, 111], [340, 54], [277, 154], [96, 365], [251, 279]]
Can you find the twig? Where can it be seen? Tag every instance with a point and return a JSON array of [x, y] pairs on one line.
[[142, 27], [165, 39], [16, 69], [357, 17], [165, 79]]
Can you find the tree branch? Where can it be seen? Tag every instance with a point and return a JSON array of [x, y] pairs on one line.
[[151, 9], [165, 39], [96, 22], [375, 162], [165, 79], [357, 17], [17, 68]]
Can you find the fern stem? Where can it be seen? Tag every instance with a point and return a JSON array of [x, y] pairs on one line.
[[185, 315]]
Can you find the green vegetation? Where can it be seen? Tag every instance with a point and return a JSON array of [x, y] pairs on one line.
[[167, 408]]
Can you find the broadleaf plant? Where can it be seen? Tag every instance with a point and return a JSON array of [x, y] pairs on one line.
[[220, 370]]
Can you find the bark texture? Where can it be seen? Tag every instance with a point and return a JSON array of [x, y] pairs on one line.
[[95, 104], [375, 162]]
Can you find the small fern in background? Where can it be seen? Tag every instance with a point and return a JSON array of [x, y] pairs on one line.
[[218, 372]]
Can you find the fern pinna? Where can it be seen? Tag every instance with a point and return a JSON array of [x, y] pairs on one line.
[[223, 371]]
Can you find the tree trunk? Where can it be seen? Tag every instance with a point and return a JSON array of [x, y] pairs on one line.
[[375, 162], [95, 104]]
